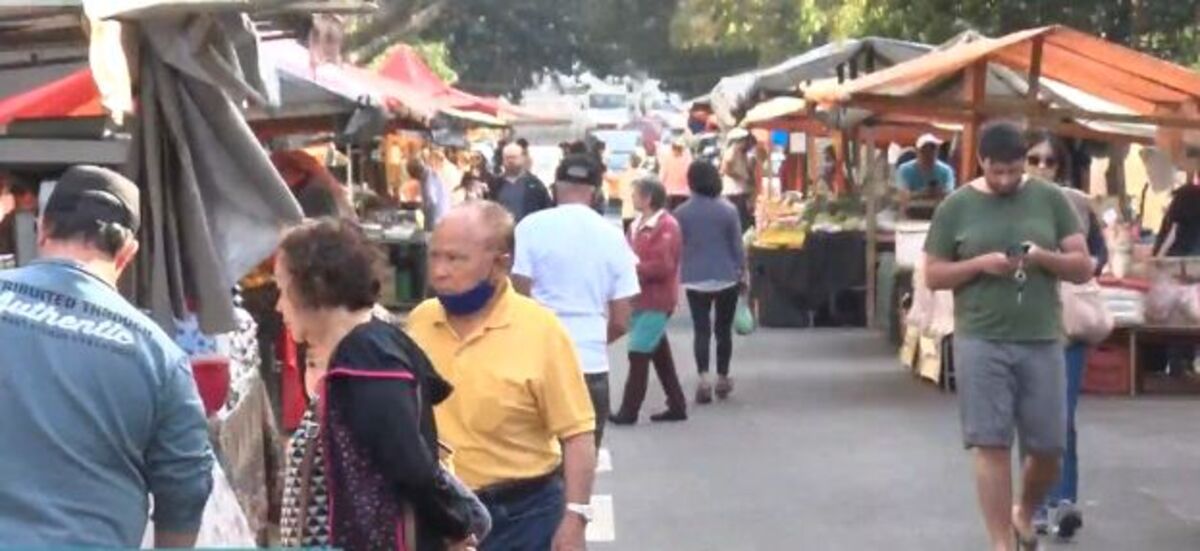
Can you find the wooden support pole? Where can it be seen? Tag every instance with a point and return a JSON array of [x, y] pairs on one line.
[[812, 157], [1035, 71], [869, 188], [975, 90], [838, 185]]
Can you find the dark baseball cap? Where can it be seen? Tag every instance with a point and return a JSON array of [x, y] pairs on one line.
[[98, 193], [579, 169]]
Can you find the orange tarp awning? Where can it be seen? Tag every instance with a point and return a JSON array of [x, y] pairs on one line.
[[1139, 82]]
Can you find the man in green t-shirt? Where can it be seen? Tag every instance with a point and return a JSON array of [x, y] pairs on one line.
[[1002, 243]]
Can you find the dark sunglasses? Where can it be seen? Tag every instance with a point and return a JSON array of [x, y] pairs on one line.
[[1045, 162]]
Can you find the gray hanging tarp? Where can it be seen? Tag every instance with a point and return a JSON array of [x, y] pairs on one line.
[[734, 95], [215, 204]]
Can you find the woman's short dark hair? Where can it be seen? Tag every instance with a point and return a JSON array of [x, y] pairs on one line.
[[703, 179], [332, 264], [1062, 171], [653, 189]]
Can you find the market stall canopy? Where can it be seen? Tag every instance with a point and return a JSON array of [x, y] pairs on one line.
[[74, 95], [351, 82], [1059, 65], [42, 22], [404, 65], [772, 110], [134, 9], [1002, 83], [733, 96], [1147, 89]]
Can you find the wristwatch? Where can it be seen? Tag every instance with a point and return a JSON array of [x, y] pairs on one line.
[[582, 510]]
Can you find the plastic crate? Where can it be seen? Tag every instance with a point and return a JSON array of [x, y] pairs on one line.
[[1108, 371]]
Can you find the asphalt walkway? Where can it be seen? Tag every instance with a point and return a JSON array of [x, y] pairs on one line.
[[828, 444]]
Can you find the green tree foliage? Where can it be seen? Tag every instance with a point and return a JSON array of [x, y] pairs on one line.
[[493, 47], [498, 47], [779, 28], [635, 36]]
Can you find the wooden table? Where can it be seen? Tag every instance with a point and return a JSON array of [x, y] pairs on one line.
[[1151, 334]]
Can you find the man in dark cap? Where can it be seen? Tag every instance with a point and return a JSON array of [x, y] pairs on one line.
[[100, 399], [574, 262]]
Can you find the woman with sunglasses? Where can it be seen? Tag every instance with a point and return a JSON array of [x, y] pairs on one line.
[[1049, 159]]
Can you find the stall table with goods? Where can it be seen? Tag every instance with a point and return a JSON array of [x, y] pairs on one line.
[[243, 430], [1157, 314], [403, 243], [807, 263], [1155, 320]]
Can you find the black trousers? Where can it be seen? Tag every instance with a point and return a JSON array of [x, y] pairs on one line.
[[597, 384], [702, 306], [741, 201]]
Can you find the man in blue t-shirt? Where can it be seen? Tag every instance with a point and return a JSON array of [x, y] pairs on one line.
[[925, 179], [98, 405]]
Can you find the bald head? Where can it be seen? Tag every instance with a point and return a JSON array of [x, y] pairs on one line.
[[472, 243], [484, 222]]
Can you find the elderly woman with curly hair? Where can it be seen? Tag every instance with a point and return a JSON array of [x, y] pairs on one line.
[[363, 468]]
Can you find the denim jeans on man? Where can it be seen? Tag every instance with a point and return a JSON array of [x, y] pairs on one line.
[[526, 523]]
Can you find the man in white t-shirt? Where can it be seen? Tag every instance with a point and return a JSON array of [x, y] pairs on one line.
[[574, 262]]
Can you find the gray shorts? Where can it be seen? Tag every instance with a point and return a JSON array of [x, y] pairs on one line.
[[1007, 387]]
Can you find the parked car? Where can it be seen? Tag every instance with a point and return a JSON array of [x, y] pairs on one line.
[[619, 146]]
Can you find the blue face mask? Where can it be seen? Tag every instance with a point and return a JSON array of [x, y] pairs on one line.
[[469, 302]]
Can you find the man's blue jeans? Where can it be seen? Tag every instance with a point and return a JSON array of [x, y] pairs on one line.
[[528, 523], [1068, 482]]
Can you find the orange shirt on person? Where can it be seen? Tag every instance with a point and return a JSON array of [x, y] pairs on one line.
[[673, 169]]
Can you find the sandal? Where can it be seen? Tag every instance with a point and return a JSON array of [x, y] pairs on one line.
[[724, 388], [1023, 544], [704, 393]]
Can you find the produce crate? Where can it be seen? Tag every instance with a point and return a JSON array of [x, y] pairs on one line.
[[1108, 370]]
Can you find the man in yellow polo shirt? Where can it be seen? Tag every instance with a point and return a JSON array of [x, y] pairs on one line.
[[520, 419]]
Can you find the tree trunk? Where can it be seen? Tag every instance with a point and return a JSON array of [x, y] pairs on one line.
[[385, 30]]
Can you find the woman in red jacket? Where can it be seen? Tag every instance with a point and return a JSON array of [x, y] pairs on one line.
[[656, 238]]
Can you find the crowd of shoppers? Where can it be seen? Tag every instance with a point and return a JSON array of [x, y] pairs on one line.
[[478, 425]]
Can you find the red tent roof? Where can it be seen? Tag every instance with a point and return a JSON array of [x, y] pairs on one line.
[[351, 82], [74, 95], [405, 65]]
